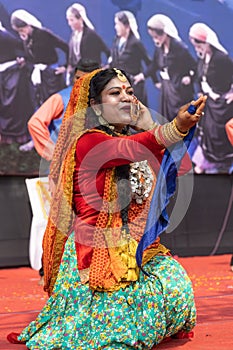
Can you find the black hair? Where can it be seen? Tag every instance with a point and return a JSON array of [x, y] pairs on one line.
[[121, 16], [75, 12], [86, 65], [100, 80], [158, 31], [97, 85], [17, 23]]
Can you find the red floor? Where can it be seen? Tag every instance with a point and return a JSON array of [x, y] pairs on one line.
[[21, 298]]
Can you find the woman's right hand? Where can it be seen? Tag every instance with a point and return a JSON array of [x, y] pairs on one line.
[[143, 120]]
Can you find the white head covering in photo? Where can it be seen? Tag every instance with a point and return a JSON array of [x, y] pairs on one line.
[[202, 32], [27, 17], [81, 9], [2, 28], [163, 22], [132, 23]]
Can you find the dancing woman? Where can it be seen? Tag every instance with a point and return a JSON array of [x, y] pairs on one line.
[[99, 296]]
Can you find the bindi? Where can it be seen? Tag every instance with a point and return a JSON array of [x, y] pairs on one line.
[[123, 87]]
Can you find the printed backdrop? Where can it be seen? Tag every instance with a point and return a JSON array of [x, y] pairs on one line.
[[18, 103]]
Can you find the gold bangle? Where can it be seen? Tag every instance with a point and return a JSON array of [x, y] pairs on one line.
[[182, 134], [168, 134]]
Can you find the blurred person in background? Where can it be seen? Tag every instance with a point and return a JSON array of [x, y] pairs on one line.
[[84, 41], [14, 86], [128, 52], [40, 58], [214, 76], [40, 46], [45, 123], [173, 67]]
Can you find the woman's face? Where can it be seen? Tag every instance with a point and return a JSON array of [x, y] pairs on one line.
[[120, 28], [200, 47], [74, 22], [116, 102], [158, 36], [24, 32]]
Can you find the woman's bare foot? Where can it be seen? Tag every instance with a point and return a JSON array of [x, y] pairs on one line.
[[41, 281]]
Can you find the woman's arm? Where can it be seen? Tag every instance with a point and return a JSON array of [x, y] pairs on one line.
[[97, 149], [38, 125], [178, 127]]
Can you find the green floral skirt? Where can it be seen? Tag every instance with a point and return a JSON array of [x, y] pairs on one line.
[[136, 317]]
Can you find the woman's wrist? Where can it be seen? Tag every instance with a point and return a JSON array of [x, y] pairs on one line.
[[152, 125], [169, 134], [178, 130]]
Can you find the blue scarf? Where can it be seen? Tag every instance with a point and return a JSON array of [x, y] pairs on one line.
[[54, 127], [158, 220]]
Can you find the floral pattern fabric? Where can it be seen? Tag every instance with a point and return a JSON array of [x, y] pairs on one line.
[[137, 317]]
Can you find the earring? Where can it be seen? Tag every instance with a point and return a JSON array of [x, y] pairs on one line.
[[98, 112], [104, 122]]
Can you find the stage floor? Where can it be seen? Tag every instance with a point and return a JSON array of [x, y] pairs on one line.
[[21, 298]]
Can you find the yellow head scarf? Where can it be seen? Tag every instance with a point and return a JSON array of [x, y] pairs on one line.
[[61, 172]]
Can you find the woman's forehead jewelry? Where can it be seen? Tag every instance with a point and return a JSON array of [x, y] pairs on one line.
[[120, 75], [123, 87]]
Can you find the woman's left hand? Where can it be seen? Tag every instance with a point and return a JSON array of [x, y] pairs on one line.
[[185, 120]]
